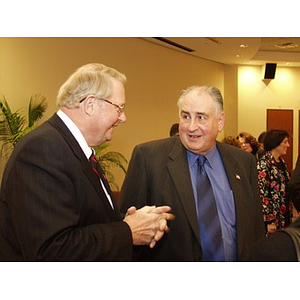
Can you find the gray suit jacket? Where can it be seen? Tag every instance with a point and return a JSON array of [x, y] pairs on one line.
[[52, 206], [158, 174]]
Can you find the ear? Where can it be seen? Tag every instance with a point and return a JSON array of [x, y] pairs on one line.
[[88, 105], [221, 122]]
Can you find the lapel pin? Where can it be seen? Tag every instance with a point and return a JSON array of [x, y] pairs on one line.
[[237, 177]]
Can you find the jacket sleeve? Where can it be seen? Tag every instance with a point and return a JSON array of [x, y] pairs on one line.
[[134, 188]]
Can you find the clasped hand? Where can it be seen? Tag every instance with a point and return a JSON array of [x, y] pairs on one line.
[[148, 224]]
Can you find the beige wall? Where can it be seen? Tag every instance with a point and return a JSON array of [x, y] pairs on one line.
[[231, 99], [256, 96], [156, 75]]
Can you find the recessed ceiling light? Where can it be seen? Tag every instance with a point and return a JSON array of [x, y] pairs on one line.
[[239, 55], [243, 46]]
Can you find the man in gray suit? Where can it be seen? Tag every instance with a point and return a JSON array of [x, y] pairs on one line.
[[53, 206], [164, 172]]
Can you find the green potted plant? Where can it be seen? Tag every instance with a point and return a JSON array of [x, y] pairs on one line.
[[13, 125]]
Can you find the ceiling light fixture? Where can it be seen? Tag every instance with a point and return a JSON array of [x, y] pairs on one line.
[[291, 45], [243, 46]]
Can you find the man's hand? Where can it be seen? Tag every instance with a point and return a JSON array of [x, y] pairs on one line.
[[148, 224]]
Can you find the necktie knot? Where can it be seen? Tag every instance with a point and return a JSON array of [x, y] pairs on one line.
[[201, 161], [93, 158]]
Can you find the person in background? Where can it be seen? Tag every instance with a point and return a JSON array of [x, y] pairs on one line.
[[173, 172], [273, 179], [248, 143], [283, 244], [174, 130], [230, 140], [55, 203], [260, 140]]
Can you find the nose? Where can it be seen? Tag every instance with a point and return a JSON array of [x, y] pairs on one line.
[[192, 124], [122, 117]]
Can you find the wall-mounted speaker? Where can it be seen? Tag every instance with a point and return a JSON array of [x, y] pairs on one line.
[[270, 71]]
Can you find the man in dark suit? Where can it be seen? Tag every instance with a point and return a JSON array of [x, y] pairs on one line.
[[164, 172], [53, 205]]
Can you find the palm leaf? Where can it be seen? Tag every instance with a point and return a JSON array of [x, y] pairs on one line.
[[36, 108], [11, 124], [108, 159], [114, 159], [4, 130]]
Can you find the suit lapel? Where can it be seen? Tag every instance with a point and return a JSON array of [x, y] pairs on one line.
[[180, 174], [106, 185], [56, 122], [236, 177], [94, 179], [232, 168]]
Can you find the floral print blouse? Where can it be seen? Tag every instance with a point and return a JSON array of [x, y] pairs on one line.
[[273, 179]]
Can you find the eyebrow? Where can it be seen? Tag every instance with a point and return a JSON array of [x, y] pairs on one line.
[[197, 113]]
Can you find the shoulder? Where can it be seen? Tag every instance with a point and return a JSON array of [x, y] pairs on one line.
[[159, 151], [42, 140], [229, 150], [160, 145], [42, 134]]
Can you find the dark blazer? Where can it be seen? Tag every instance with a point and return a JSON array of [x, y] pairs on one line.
[[52, 206], [278, 246], [294, 186], [158, 174]]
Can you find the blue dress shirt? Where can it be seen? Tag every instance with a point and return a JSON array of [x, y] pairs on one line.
[[223, 195]]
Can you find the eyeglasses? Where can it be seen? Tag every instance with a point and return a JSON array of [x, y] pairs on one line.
[[120, 108]]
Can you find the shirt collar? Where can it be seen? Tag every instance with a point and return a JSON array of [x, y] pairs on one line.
[[192, 157], [76, 133]]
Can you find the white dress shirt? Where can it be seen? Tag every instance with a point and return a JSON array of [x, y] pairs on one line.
[[88, 151]]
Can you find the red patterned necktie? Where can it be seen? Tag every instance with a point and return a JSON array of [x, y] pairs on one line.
[[97, 169], [94, 163]]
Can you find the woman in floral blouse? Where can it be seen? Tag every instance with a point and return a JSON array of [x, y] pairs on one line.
[[273, 178]]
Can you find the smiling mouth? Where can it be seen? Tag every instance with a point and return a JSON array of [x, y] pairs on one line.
[[193, 136]]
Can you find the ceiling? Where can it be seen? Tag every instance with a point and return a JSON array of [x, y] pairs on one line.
[[285, 51]]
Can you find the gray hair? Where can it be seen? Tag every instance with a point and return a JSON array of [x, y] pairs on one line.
[[198, 90], [91, 79]]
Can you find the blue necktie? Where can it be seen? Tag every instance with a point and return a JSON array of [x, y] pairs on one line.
[[208, 219]]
